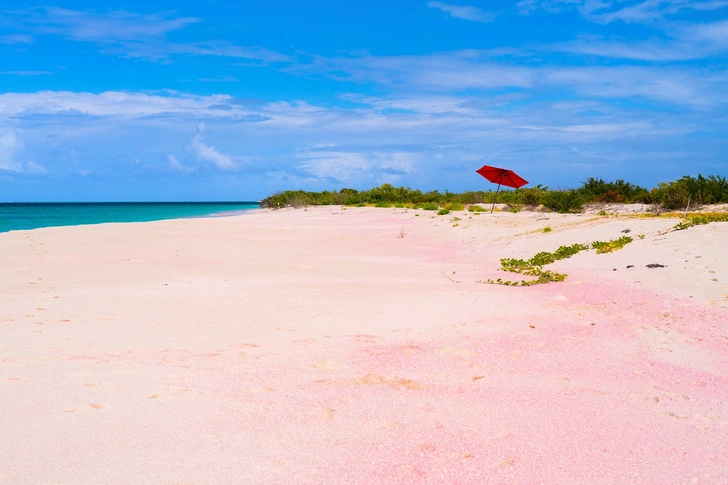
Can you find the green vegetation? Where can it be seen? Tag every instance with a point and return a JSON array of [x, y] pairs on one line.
[[611, 246], [547, 229], [597, 190], [430, 206], [696, 191], [700, 219], [563, 201], [455, 206], [443, 212], [671, 196], [534, 266]]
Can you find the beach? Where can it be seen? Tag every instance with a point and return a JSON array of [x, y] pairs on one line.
[[363, 346]]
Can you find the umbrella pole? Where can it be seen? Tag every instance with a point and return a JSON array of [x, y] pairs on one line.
[[496, 196]]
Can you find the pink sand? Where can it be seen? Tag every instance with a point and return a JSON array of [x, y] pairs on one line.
[[319, 347]]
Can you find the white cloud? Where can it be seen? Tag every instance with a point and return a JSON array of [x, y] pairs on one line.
[[26, 73], [209, 153], [553, 6], [464, 12], [628, 11], [176, 166], [35, 168], [16, 39], [355, 168], [127, 34], [10, 145], [341, 166]]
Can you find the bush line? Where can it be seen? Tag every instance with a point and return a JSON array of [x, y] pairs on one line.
[[694, 191]]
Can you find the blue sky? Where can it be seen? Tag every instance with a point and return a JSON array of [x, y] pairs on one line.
[[222, 100]]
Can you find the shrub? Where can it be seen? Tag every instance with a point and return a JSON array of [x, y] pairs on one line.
[[382, 204], [476, 208], [563, 201], [673, 195], [597, 190], [443, 212], [454, 206], [430, 206], [532, 196]]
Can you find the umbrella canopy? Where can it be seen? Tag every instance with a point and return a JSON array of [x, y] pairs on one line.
[[501, 176]]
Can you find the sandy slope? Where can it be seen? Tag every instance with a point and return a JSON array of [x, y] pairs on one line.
[[318, 346]]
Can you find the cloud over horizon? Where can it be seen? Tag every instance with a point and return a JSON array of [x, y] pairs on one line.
[[464, 12]]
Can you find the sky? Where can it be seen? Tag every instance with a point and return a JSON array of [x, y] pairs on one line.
[[229, 100]]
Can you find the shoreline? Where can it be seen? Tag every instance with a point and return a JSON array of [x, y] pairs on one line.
[[329, 344], [95, 219]]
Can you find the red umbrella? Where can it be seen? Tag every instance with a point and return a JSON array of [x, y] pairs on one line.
[[501, 176]]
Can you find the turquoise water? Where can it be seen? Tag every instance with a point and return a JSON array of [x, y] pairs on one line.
[[16, 216]]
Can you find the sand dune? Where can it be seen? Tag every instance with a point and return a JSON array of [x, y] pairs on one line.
[[360, 345]]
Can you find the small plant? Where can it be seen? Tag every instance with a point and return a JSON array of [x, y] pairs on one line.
[[641, 236], [398, 206], [611, 246], [547, 229], [443, 212], [602, 213], [361, 205], [430, 206], [455, 225], [382, 204], [455, 219], [417, 215], [476, 208]]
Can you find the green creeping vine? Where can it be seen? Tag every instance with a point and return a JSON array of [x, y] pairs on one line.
[[534, 266], [611, 246], [700, 219]]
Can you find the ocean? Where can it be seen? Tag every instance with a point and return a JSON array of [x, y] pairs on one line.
[[19, 216]]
